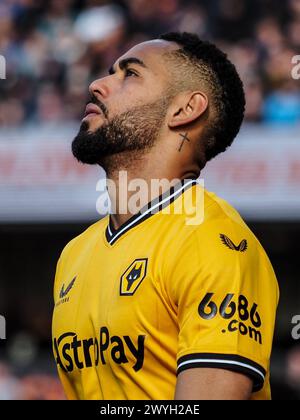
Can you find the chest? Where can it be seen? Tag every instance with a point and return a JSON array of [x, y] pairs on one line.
[[119, 293], [109, 308]]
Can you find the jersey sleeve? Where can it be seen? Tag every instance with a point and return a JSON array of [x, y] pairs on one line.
[[64, 379], [57, 279], [225, 293]]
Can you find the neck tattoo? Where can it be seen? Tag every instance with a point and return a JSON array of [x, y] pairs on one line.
[[184, 138]]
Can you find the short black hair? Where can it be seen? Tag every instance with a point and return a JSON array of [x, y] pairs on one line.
[[226, 89]]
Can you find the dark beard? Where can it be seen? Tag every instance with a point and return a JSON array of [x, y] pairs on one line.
[[133, 131]]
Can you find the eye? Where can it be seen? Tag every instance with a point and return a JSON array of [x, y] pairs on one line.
[[130, 73]]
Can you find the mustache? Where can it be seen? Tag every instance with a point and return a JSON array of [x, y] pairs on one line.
[[92, 99]]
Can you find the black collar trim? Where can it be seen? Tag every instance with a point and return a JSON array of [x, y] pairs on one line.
[[153, 207]]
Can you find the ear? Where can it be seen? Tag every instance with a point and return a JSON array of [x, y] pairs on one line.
[[187, 108]]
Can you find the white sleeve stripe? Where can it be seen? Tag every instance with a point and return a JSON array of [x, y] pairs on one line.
[[227, 362]]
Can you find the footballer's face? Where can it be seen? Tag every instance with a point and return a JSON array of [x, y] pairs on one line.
[[127, 108]]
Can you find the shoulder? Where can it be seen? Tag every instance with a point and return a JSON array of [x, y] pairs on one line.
[[223, 223], [220, 253], [209, 221], [221, 241], [225, 233], [85, 239]]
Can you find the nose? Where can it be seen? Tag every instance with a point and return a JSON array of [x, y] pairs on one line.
[[99, 87]]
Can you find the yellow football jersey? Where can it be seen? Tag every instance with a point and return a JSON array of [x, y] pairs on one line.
[[136, 306]]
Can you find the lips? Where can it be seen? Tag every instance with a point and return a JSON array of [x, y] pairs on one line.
[[92, 109]]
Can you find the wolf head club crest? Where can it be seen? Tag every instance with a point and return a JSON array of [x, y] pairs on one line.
[[133, 277]]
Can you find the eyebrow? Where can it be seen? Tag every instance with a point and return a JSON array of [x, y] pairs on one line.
[[123, 64]]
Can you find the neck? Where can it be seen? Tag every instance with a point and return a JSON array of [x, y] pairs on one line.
[[133, 180]]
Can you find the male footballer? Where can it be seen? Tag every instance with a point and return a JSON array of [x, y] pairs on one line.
[[151, 304]]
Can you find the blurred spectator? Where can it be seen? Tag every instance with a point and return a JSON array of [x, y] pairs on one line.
[[234, 19], [55, 48], [29, 387], [11, 113], [293, 369], [41, 387], [254, 105], [9, 387], [295, 7], [283, 105]]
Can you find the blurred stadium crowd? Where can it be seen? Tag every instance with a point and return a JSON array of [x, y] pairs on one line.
[[55, 48], [29, 387]]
